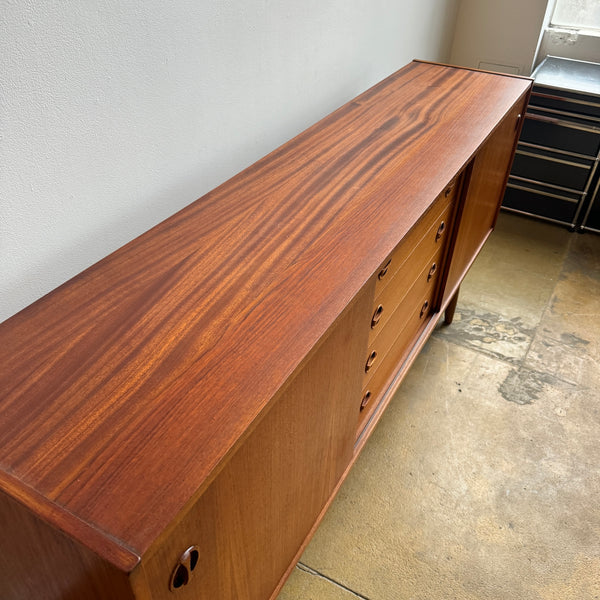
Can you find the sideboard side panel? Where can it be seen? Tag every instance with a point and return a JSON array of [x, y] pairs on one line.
[[38, 561], [484, 190]]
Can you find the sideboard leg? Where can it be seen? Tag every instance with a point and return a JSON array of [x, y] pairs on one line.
[[449, 313]]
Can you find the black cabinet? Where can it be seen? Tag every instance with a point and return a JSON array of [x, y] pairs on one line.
[[591, 218], [555, 174]]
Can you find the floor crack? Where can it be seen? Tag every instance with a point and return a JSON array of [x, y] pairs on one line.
[[312, 571]]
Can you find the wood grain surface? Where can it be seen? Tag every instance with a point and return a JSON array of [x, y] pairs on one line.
[[124, 391], [255, 515]]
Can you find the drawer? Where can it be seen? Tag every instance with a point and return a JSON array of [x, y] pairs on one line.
[[569, 135], [413, 324], [430, 231], [421, 295], [552, 167], [421, 271], [537, 199], [566, 101]]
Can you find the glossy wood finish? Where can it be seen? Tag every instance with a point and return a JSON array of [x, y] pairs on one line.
[[270, 493], [414, 292], [407, 287], [132, 392], [436, 217], [407, 261], [28, 547]]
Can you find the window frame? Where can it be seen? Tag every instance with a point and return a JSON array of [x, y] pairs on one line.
[[553, 24]]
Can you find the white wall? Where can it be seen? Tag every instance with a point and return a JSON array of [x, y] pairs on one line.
[[504, 32], [568, 44], [116, 113]]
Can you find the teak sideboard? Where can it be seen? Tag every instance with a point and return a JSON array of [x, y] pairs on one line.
[[175, 420]]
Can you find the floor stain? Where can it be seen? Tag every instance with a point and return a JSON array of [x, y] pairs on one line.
[[497, 336], [524, 386], [573, 340]]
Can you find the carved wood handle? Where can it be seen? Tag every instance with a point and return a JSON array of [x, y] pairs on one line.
[[384, 269], [184, 569], [365, 400], [432, 271], [376, 316], [440, 231], [370, 361]]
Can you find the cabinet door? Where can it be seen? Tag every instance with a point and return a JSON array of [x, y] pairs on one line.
[[482, 197]]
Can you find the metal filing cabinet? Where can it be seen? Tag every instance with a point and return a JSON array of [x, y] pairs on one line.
[[555, 173]]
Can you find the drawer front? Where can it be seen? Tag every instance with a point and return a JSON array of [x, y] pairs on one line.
[[552, 167], [544, 201], [431, 231], [426, 255], [399, 295], [566, 102], [413, 323], [548, 130], [421, 295]]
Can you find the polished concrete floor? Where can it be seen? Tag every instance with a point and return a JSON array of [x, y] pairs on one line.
[[482, 480]]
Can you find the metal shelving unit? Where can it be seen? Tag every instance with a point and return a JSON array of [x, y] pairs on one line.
[[555, 174]]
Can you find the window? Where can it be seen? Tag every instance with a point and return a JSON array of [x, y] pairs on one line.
[[577, 14]]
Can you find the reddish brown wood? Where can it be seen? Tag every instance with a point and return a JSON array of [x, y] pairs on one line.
[[126, 391], [410, 294], [427, 251], [33, 557], [412, 323], [251, 521], [477, 215], [424, 233]]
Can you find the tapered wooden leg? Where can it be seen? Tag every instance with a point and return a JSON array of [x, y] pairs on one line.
[[449, 313]]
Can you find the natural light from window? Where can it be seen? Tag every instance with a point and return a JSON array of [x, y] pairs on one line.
[[578, 14]]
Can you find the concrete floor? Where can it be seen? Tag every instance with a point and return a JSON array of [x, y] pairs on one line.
[[482, 480]]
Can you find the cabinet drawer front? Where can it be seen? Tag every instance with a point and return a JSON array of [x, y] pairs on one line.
[[423, 290], [536, 199], [420, 272], [564, 101], [423, 236], [552, 167], [413, 324], [547, 130]]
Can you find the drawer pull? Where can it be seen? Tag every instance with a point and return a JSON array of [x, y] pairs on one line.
[[365, 400], [448, 191], [184, 569], [432, 271], [384, 269], [376, 316], [424, 308], [440, 231], [370, 361]]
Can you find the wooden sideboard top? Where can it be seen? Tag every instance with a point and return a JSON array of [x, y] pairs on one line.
[[123, 390]]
